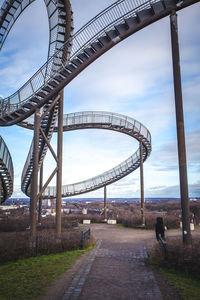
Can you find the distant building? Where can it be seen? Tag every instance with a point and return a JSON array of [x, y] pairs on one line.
[[84, 211]]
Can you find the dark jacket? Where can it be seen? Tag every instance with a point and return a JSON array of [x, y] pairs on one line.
[[159, 228]]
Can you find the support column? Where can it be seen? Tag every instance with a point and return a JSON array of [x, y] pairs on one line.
[[105, 204], [187, 239], [59, 164], [40, 199], [34, 184], [0, 189], [142, 185]]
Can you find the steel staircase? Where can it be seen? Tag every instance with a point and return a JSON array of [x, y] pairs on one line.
[[6, 172], [114, 24], [60, 29]]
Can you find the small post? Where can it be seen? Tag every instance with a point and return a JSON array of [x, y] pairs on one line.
[[82, 239], [34, 185], [40, 199], [187, 239], [142, 185], [105, 204], [59, 172]]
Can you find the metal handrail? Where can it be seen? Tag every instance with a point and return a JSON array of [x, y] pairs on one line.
[[84, 234], [104, 21], [6, 166], [164, 245]]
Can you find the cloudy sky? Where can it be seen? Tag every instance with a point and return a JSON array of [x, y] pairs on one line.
[[133, 78]]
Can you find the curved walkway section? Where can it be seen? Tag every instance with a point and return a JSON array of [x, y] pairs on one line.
[[117, 22], [60, 28], [109, 121], [6, 172]]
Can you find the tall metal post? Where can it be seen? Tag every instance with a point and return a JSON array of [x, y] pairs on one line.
[[40, 199], [105, 203], [187, 239], [59, 172], [34, 184], [142, 185], [0, 189]]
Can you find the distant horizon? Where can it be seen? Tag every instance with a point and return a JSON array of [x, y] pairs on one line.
[[108, 198]]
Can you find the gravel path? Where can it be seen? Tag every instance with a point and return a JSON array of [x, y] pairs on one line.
[[115, 268]]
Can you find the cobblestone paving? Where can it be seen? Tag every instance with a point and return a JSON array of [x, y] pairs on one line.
[[77, 283], [115, 269]]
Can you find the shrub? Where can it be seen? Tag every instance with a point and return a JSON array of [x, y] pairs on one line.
[[181, 258], [9, 224], [15, 245], [134, 220]]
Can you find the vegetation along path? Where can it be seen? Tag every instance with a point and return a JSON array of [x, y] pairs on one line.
[[115, 268]]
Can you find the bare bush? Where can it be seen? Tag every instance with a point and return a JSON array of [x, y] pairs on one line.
[[9, 224], [181, 258], [16, 245]]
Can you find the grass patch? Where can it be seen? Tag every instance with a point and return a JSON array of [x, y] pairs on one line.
[[136, 227], [121, 225], [27, 278], [187, 287]]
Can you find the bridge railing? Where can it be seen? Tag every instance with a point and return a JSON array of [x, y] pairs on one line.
[[104, 21], [5, 157]]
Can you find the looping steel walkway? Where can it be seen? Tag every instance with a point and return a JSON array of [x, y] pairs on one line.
[[69, 55], [107, 121]]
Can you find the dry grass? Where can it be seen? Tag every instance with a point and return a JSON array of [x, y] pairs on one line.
[[180, 258]]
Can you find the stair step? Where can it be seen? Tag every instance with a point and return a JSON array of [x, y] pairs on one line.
[[16, 114], [63, 17], [47, 89], [41, 94], [157, 7], [70, 67], [76, 62], [89, 51], [8, 118], [144, 14], [59, 78], [104, 40], [112, 34], [53, 83], [34, 99], [96, 46], [20, 110], [28, 105], [65, 73], [61, 32], [82, 56], [121, 28], [61, 24], [132, 21], [169, 4]]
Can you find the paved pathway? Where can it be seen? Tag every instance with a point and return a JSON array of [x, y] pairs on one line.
[[115, 268]]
